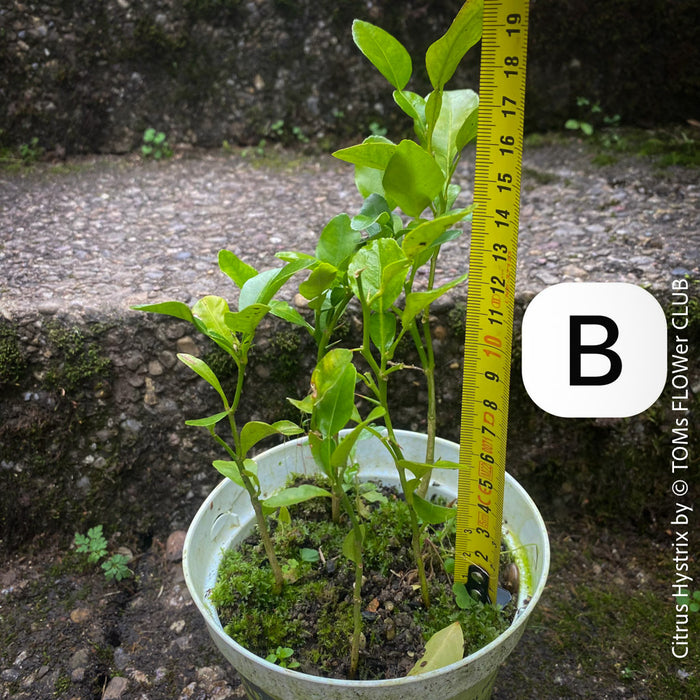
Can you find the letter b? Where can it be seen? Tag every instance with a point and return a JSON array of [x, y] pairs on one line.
[[594, 350], [577, 349]]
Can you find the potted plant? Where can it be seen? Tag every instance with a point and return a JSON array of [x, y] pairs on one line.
[[383, 263]]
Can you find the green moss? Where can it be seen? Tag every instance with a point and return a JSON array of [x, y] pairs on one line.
[[75, 360], [12, 362]]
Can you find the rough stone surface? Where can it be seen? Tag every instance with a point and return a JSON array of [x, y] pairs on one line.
[[85, 77]]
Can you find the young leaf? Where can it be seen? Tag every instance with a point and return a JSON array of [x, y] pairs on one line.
[[246, 321], [384, 52], [417, 301], [283, 310], [374, 210], [442, 649], [432, 513], [454, 126], [208, 421], [209, 314], [168, 308], [254, 431], [425, 234], [205, 372], [341, 453], [382, 329], [321, 279], [230, 470], [371, 154], [413, 105], [444, 55], [352, 549], [412, 178], [261, 288], [382, 265], [334, 408], [295, 494], [337, 241], [462, 597]]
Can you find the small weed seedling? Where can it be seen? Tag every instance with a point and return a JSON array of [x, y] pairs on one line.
[[283, 657], [95, 546], [594, 114], [155, 145]]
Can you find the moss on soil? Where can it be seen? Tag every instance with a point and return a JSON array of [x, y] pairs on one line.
[[313, 615]]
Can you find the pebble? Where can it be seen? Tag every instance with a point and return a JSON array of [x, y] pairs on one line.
[[174, 545], [116, 688]]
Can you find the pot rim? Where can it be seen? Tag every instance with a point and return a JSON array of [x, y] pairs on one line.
[[520, 619]]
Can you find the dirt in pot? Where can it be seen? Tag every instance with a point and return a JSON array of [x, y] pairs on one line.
[[309, 626]]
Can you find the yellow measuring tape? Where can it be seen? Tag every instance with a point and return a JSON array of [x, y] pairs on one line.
[[491, 296]]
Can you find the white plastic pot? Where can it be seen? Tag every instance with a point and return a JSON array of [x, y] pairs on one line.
[[226, 518]]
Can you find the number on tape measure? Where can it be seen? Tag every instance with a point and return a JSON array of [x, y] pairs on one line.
[[491, 296]]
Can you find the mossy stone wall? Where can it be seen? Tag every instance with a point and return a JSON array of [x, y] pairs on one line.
[[92, 427], [84, 76]]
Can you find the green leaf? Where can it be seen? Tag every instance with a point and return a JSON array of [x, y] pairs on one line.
[[168, 308], [425, 234], [208, 421], [235, 268], [283, 310], [352, 550], [384, 52], [381, 265], [337, 242], [445, 647], [455, 124], [336, 405], [414, 106], [254, 431], [412, 178], [341, 453], [417, 301], [374, 210], [321, 279], [310, 555], [462, 597], [382, 330], [210, 317], [229, 470], [371, 154], [261, 288], [444, 55], [205, 372], [246, 321], [295, 494], [432, 513]]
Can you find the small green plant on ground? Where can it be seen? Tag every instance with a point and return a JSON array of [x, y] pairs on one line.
[[691, 601], [155, 145], [592, 117], [94, 545], [283, 657], [30, 152]]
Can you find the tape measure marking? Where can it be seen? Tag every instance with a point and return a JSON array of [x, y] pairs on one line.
[[491, 295]]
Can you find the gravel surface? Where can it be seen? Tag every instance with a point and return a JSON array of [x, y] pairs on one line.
[[103, 233]]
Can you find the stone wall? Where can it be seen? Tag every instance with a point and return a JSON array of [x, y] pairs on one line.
[[85, 76], [92, 427]]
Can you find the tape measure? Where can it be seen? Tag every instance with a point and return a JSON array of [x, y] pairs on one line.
[[491, 300]]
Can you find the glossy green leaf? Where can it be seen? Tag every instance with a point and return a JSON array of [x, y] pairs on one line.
[[374, 210], [370, 153], [381, 265], [414, 106], [229, 470], [425, 234], [432, 513], [352, 549], [168, 308], [412, 178], [382, 329], [445, 647], [417, 301], [321, 279], [239, 271], [210, 317], [205, 372], [254, 431], [246, 321], [444, 55], [295, 494], [283, 310], [261, 288], [384, 52], [336, 405], [305, 405], [458, 108], [337, 242], [208, 421]]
